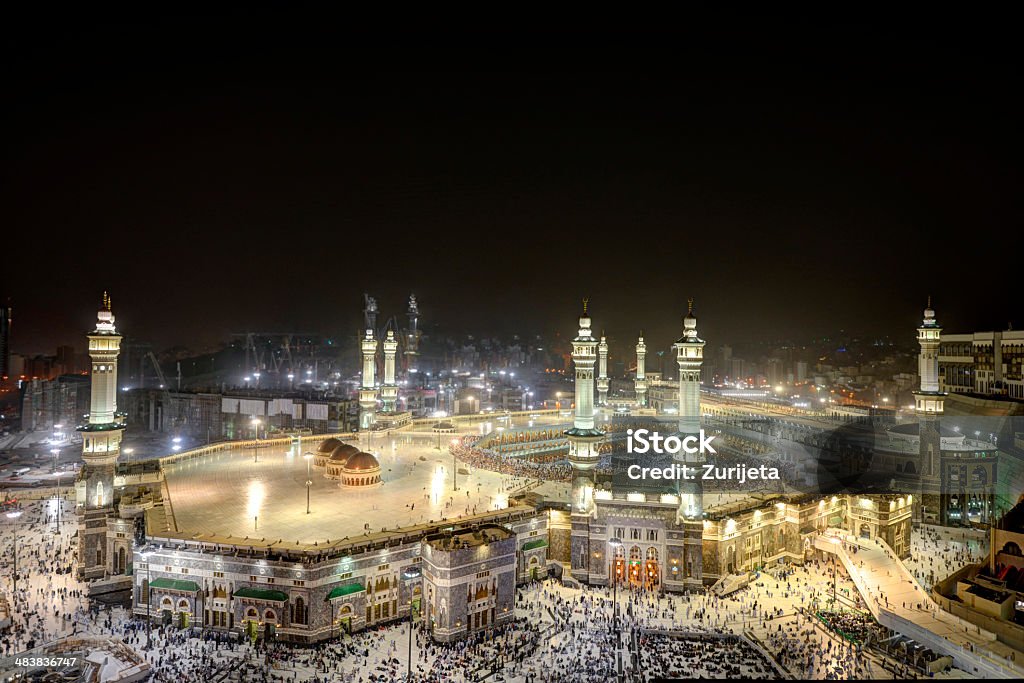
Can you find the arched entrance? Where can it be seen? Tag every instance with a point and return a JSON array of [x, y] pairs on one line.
[[865, 531], [184, 613], [652, 572], [269, 623], [251, 624], [635, 576]]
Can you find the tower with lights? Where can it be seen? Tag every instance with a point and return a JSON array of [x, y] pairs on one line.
[[929, 404], [368, 392], [602, 371], [412, 335], [101, 444], [641, 372], [389, 391], [584, 441], [689, 358]]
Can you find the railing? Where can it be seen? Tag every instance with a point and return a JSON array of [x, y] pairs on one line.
[[247, 443]]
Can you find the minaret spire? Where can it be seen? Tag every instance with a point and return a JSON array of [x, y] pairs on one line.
[[690, 357], [389, 391], [602, 370], [641, 372], [368, 391], [929, 401], [584, 441], [101, 444]]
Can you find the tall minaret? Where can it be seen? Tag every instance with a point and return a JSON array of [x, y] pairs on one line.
[[584, 440], [389, 392], [602, 371], [689, 357], [641, 372], [101, 444], [368, 393], [928, 405], [412, 341]]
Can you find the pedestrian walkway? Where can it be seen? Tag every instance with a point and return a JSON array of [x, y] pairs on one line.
[[899, 603]]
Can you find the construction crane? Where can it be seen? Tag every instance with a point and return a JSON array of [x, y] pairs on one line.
[[254, 355]]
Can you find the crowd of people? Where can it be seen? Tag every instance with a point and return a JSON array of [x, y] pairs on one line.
[[937, 552], [854, 626], [559, 634], [49, 601], [466, 450], [664, 656]]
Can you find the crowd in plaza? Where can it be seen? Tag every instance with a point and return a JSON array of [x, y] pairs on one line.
[[664, 655], [854, 626], [560, 633], [937, 552], [467, 451], [49, 601]]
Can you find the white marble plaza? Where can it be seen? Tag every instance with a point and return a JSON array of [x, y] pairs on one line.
[[233, 493]]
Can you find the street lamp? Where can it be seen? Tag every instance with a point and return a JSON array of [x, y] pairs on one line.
[[455, 466], [256, 425], [616, 544], [57, 501], [309, 481]]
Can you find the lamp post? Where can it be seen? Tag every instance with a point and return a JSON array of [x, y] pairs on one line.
[[616, 544], [309, 481], [410, 574], [56, 455], [255, 452], [59, 503], [455, 466], [13, 515], [149, 598]]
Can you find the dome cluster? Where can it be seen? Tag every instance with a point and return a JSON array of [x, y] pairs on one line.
[[345, 462]]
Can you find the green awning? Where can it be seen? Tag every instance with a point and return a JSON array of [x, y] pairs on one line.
[[175, 585], [535, 543], [342, 591], [259, 594]]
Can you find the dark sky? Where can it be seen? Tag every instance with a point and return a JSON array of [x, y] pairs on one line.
[[232, 177]]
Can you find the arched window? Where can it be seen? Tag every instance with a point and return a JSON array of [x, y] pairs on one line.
[[299, 611]]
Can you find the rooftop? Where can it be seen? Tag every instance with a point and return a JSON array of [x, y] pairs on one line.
[[469, 538]]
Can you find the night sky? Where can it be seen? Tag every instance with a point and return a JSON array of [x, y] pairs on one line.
[[229, 178]]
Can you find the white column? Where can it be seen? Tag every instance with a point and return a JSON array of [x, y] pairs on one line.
[[602, 371], [641, 372]]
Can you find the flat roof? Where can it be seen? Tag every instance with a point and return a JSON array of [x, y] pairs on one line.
[[468, 538]]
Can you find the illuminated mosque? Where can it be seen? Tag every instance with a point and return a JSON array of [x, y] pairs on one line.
[[213, 537]]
